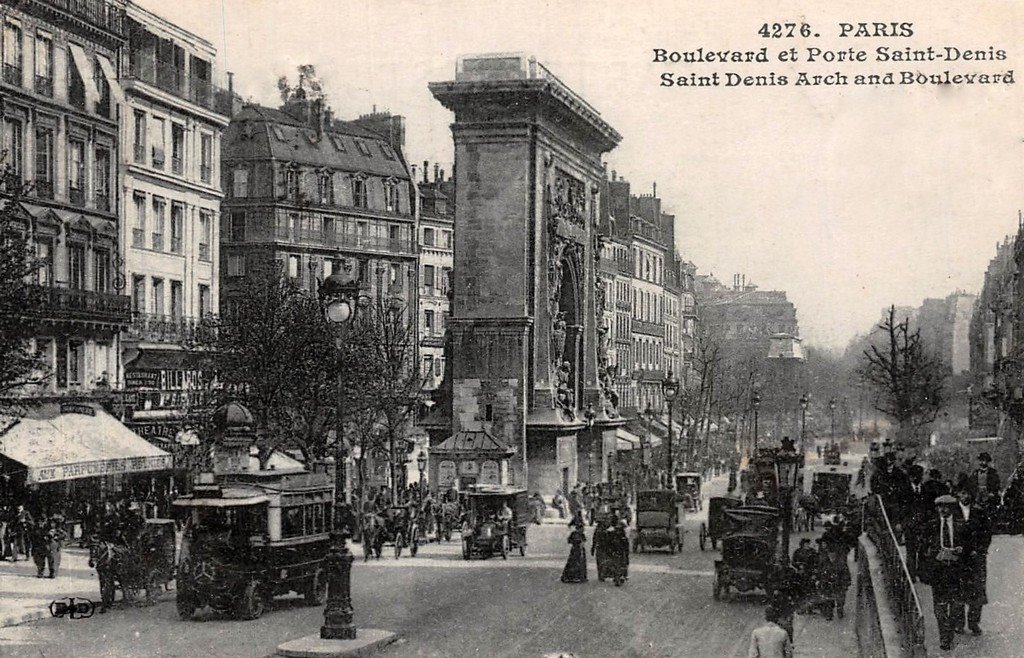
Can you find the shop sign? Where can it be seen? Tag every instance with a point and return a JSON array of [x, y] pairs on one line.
[[72, 408], [468, 467], [490, 473], [99, 468], [446, 474], [154, 430]]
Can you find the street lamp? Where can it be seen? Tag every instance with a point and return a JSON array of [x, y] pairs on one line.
[[589, 415], [755, 402], [803, 422], [421, 463], [787, 463], [832, 413], [669, 389], [338, 294]]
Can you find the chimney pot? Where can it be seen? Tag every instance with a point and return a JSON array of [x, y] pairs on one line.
[[435, 172], [426, 167]]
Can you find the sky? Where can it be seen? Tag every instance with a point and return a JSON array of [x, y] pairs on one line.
[[850, 198]]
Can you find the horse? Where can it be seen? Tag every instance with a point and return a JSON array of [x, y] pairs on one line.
[[372, 526], [103, 556]]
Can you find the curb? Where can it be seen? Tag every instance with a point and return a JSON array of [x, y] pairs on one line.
[[312, 646], [23, 618]]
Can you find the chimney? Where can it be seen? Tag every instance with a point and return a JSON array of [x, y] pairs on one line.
[[412, 170], [654, 189], [231, 83], [613, 174], [426, 168], [435, 172], [441, 179]]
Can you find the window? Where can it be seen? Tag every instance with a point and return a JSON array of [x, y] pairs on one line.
[[158, 223], [278, 133], [158, 296], [391, 196], [338, 142], [237, 226], [205, 228], [292, 184], [13, 55], [359, 192], [102, 178], [428, 276], [439, 366], [138, 294], [428, 237], [177, 227], [428, 365], [387, 151], [101, 270], [363, 148], [325, 187], [44, 64], [140, 137], [446, 279], [75, 354], [293, 266], [241, 183], [177, 300], [44, 163], [139, 229], [159, 143], [205, 305], [13, 145], [446, 239], [395, 277], [76, 85], [177, 148], [329, 229], [236, 265], [44, 252], [206, 158], [291, 522], [76, 172], [76, 266], [428, 320]]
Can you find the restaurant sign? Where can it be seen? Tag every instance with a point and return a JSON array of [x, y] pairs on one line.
[[45, 474]]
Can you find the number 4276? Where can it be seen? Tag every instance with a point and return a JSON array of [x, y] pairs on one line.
[[785, 30]]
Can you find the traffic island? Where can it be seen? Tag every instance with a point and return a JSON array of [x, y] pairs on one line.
[[313, 646]]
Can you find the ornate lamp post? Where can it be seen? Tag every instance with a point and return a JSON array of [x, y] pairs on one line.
[[646, 448], [787, 462], [755, 402], [804, 400], [421, 464], [832, 413], [589, 415], [669, 389], [339, 294]]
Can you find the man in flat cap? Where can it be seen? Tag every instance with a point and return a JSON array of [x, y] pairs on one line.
[[977, 539], [945, 539], [984, 482]]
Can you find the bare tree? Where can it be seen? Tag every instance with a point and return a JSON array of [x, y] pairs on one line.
[[910, 380]]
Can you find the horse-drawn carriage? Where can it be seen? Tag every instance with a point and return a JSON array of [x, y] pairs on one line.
[[398, 525], [689, 487], [716, 525], [145, 563]]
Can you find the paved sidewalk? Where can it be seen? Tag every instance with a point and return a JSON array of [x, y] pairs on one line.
[[23, 597], [814, 637]]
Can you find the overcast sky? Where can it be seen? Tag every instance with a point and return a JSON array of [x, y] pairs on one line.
[[849, 198]]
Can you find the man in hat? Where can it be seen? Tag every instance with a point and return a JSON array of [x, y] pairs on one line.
[[945, 540], [984, 481], [978, 537]]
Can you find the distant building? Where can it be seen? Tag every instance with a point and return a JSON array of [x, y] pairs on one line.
[[744, 314], [436, 229], [945, 328]]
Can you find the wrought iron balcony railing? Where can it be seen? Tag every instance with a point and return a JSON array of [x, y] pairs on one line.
[[43, 189], [139, 238], [12, 74], [204, 252], [77, 196], [44, 85], [174, 80], [160, 328], [66, 304], [140, 153], [103, 201], [177, 165], [205, 173]]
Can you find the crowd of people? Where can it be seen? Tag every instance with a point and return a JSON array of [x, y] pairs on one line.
[[609, 547]]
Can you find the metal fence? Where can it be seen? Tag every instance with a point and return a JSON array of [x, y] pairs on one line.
[[900, 589]]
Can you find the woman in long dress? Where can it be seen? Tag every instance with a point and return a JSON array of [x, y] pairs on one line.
[[576, 567]]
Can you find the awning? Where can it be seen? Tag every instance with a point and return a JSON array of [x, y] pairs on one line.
[[626, 440], [473, 442], [108, 73], [84, 66], [226, 497], [71, 441], [167, 359]]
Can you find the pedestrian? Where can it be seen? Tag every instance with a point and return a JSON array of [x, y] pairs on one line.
[[575, 570], [537, 506], [618, 550], [40, 545], [786, 594], [833, 580], [23, 525], [945, 537], [984, 482], [6, 530], [805, 561], [599, 550], [974, 561], [55, 537], [770, 640], [559, 504]]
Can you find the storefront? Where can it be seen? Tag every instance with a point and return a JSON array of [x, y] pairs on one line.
[[58, 456], [469, 457]]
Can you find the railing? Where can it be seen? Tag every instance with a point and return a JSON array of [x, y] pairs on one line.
[[44, 85], [85, 305], [158, 241], [100, 13], [139, 238], [648, 328], [204, 252], [140, 153], [175, 245], [103, 201], [205, 173], [160, 328], [624, 266], [43, 189], [900, 588], [174, 80], [177, 165], [12, 74], [77, 196]]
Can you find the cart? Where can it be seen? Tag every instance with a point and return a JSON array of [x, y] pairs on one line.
[[714, 528], [484, 532], [689, 487]]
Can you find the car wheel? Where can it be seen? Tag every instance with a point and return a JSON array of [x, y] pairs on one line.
[[399, 540], [522, 549], [316, 590], [414, 547], [253, 602], [504, 547]]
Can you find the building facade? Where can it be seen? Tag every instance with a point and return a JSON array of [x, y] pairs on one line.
[[60, 136], [171, 201], [436, 239]]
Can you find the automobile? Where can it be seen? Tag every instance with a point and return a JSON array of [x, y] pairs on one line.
[[716, 526], [250, 536], [831, 455], [689, 486], [659, 520], [831, 490], [749, 545], [400, 528], [484, 532]]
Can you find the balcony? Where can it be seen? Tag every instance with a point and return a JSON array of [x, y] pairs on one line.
[[140, 154], [139, 238], [43, 189], [65, 304], [76, 196], [44, 85], [159, 328], [624, 267], [432, 340], [174, 80], [103, 201], [101, 14], [204, 252], [177, 165], [175, 245], [158, 241], [12, 74], [205, 173], [648, 328]]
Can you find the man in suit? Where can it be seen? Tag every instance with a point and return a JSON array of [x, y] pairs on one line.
[[945, 537], [978, 536], [984, 481], [920, 509]]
